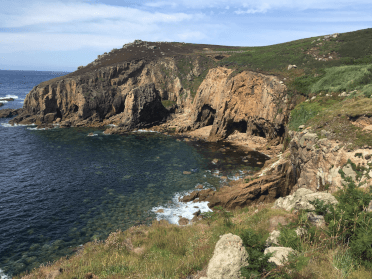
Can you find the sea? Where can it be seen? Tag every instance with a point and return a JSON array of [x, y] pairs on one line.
[[61, 188]]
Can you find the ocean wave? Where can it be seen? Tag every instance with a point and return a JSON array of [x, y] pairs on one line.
[[4, 102], [173, 211], [145, 131], [9, 96], [16, 125], [3, 275]]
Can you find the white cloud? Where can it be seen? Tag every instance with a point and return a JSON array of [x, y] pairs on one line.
[[58, 12], [254, 5]]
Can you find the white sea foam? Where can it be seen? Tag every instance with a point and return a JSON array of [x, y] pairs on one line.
[[9, 96], [93, 135], [145, 131], [16, 125], [176, 208], [112, 125], [4, 102], [3, 275], [35, 129]]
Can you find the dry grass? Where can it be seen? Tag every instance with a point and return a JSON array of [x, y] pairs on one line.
[[169, 251]]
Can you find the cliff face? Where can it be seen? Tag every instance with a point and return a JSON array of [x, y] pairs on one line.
[[130, 96], [248, 102]]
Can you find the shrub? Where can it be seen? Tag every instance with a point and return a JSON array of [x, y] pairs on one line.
[[348, 223], [258, 261]]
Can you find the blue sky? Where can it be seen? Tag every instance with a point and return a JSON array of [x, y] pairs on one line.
[[62, 35]]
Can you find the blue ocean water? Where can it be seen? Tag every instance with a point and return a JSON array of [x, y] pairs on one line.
[[61, 188]]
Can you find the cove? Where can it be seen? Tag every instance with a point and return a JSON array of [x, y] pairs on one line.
[[61, 188]]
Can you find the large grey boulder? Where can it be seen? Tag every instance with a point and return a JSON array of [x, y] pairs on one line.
[[280, 254], [228, 258], [301, 200]]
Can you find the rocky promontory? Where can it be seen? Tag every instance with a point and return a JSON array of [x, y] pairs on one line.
[[138, 86]]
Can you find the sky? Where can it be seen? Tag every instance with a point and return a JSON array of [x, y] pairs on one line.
[[54, 35]]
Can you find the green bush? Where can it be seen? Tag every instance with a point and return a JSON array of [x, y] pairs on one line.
[[258, 261], [348, 222]]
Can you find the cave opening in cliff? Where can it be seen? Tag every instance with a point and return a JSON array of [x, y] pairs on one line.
[[58, 113], [240, 126], [75, 108], [281, 131], [258, 131], [206, 116]]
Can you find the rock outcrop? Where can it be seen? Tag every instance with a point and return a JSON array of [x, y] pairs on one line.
[[318, 161], [229, 257], [268, 188], [5, 113], [249, 102], [302, 199]]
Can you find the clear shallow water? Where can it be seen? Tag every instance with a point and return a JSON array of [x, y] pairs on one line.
[[61, 188]]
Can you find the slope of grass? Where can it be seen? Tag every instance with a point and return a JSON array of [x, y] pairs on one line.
[[334, 114], [345, 78]]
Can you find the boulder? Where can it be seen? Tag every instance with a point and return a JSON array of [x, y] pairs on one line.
[[301, 200], [228, 258], [291, 67], [280, 254]]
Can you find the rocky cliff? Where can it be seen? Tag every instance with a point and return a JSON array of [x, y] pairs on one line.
[[248, 102], [133, 94]]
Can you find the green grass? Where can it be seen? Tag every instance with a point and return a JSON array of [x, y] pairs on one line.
[[344, 78], [334, 115]]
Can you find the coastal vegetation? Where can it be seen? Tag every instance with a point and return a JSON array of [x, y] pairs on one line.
[[342, 249]]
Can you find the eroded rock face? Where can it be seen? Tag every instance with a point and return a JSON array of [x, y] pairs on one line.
[[248, 102], [318, 162], [229, 257], [129, 94]]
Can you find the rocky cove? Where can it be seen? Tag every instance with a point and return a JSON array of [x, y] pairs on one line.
[[185, 95]]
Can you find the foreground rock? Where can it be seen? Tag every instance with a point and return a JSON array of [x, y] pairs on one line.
[[301, 200], [228, 258]]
